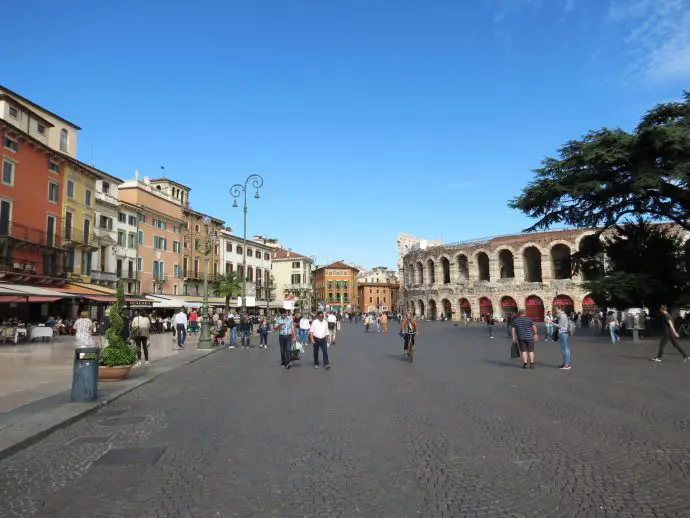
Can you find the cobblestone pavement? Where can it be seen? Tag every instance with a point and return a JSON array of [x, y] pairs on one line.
[[463, 431]]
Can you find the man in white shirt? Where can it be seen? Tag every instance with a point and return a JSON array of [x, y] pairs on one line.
[[303, 329], [332, 322], [140, 329], [318, 334], [181, 326]]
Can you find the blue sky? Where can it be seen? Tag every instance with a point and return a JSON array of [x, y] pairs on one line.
[[365, 118]]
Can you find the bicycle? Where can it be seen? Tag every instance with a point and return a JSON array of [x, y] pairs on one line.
[[409, 341], [684, 330]]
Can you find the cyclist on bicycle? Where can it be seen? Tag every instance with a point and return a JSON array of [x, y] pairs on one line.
[[408, 330]]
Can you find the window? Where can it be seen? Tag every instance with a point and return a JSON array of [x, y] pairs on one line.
[[196, 228], [249, 252], [68, 226], [160, 243], [140, 235], [267, 257], [105, 223], [87, 198], [139, 263], [228, 267], [176, 247], [371, 300], [5, 217], [53, 192], [330, 285], [176, 229], [41, 129], [122, 217], [120, 238], [330, 297], [10, 144], [238, 249], [70, 188], [240, 271], [196, 267], [13, 112], [132, 221], [131, 240], [215, 269], [228, 247], [345, 285], [105, 188], [295, 278], [250, 273], [176, 271], [337, 285], [196, 245], [63, 140], [295, 264], [8, 171], [86, 263], [142, 218], [50, 230], [53, 166]]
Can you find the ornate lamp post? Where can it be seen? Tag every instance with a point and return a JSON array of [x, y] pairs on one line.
[[205, 336], [269, 285], [236, 190], [310, 289]]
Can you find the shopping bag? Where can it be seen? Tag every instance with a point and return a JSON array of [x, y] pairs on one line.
[[514, 350]]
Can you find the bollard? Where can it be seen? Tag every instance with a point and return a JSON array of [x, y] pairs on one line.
[[85, 375]]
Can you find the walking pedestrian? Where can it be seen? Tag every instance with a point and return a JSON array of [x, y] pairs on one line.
[[232, 326], [263, 334], [489, 319], [384, 322], [181, 326], [612, 323], [668, 330], [245, 329], [332, 320], [83, 330], [303, 331], [141, 328], [318, 334], [548, 321], [564, 327], [524, 333], [286, 329]]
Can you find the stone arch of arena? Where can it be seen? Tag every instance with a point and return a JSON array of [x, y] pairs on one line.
[[496, 275]]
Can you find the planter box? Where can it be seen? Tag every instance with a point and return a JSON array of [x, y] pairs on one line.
[[113, 373]]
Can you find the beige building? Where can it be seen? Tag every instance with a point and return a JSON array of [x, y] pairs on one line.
[[292, 274], [43, 125], [377, 275]]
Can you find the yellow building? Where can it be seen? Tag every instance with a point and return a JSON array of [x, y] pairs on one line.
[[79, 217]]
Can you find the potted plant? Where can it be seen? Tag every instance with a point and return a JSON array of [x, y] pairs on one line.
[[118, 357]]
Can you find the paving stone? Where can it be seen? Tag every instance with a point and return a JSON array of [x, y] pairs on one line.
[[463, 431]]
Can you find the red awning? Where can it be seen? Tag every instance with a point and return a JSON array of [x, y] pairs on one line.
[[29, 298], [110, 299]]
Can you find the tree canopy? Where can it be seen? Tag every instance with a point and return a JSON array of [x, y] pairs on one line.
[[642, 265], [610, 175], [228, 286]]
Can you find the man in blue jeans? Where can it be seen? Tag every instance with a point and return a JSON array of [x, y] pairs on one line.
[[285, 326], [181, 326], [563, 336]]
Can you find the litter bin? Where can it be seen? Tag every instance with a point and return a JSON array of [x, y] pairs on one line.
[[85, 374]]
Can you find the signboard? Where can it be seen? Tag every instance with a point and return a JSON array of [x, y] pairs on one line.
[[251, 301], [289, 305]]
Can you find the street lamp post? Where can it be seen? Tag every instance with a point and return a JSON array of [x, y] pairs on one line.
[[205, 336], [310, 289], [269, 283], [235, 191]]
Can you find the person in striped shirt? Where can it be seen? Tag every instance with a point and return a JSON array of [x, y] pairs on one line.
[[524, 333]]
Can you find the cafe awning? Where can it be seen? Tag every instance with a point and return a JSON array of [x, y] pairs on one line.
[[27, 293], [18, 299]]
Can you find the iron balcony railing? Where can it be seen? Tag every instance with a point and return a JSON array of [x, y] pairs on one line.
[[17, 231]]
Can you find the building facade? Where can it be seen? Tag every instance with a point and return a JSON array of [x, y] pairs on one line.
[[292, 275], [377, 296], [259, 277], [497, 276], [377, 275], [335, 285], [159, 236], [195, 235], [31, 243], [407, 243]]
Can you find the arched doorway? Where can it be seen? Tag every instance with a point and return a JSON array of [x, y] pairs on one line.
[[465, 308], [445, 268], [483, 267], [532, 261], [485, 306], [506, 264], [433, 313], [421, 308], [534, 307], [590, 306], [508, 306], [565, 302], [447, 313]]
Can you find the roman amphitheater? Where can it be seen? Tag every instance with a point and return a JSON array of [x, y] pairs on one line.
[[497, 276]]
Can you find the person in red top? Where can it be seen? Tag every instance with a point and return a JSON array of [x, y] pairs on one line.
[[193, 320]]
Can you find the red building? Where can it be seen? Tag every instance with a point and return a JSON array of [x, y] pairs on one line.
[[31, 176]]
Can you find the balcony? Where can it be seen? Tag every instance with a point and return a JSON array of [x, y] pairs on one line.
[[27, 237], [77, 238], [159, 277], [107, 198], [101, 276], [297, 287], [129, 275]]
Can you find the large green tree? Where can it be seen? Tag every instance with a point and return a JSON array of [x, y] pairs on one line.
[[611, 175], [642, 265], [229, 285]]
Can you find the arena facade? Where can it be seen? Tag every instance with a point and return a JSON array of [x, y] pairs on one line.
[[497, 276]]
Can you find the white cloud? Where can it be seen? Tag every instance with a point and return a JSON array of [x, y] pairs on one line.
[[658, 36]]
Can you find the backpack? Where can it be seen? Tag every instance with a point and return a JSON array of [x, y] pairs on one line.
[[571, 327]]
